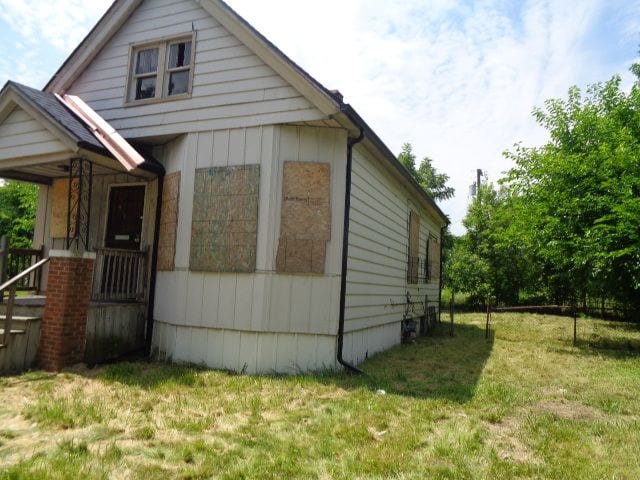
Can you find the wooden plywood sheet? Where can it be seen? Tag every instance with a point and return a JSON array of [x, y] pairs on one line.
[[168, 221], [225, 219], [414, 247], [305, 225], [60, 207], [433, 252]]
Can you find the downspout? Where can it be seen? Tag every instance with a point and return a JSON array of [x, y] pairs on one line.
[[154, 268], [345, 253]]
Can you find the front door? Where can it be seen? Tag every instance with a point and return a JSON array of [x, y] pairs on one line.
[[124, 223]]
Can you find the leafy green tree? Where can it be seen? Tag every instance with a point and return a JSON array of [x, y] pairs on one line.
[[582, 192], [18, 203], [434, 183]]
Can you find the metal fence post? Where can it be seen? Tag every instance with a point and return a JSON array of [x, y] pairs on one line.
[[4, 252]]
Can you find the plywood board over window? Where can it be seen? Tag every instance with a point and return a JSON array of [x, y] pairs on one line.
[[225, 219], [305, 225], [60, 207], [168, 221], [413, 262], [433, 252]]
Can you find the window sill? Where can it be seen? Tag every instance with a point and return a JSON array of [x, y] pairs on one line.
[[151, 101]]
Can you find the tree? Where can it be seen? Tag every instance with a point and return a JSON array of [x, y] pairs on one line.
[[18, 202], [434, 183], [582, 190]]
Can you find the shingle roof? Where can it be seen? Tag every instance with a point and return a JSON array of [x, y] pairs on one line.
[[60, 114]]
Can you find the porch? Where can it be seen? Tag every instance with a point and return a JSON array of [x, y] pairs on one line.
[[95, 221]]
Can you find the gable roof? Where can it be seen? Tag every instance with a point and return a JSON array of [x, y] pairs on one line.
[[328, 102], [59, 114], [74, 124]]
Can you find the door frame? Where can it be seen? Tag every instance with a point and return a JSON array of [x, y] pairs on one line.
[[105, 221]]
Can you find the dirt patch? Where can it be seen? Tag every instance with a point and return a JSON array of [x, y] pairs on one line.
[[504, 437], [567, 410]]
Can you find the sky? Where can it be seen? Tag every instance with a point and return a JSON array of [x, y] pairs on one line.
[[456, 79]]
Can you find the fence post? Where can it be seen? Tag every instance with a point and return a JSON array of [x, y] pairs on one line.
[[4, 252], [486, 330], [575, 326], [451, 313]]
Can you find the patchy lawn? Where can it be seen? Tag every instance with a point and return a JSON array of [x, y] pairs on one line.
[[525, 404]]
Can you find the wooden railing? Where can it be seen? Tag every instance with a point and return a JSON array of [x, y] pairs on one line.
[[16, 260], [12, 286], [119, 275]]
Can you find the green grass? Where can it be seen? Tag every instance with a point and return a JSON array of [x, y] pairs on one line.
[[526, 403]]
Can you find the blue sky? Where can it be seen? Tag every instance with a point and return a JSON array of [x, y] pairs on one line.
[[457, 79]]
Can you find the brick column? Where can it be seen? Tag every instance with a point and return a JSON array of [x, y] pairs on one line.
[[64, 323]]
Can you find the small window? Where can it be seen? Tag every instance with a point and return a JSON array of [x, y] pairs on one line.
[[161, 70]]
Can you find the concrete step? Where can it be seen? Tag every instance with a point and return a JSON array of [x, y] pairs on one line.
[[32, 306]]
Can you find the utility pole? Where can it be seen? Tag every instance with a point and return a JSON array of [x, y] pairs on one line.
[[479, 177]]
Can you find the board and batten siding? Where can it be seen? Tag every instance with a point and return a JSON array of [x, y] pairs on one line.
[[232, 87], [23, 136], [262, 321], [377, 259]]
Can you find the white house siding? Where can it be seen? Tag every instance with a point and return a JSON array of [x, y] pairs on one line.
[[231, 86], [268, 321], [377, 263], [23, 136]]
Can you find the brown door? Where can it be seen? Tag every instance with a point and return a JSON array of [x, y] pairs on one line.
[[124, 224]]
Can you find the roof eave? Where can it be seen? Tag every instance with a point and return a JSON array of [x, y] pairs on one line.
[[370, 135]]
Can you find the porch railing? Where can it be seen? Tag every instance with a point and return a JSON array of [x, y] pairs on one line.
[[12, 286], [16, 260], [119, 275]]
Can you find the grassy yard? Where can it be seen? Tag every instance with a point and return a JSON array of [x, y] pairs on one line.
[[525, 404]]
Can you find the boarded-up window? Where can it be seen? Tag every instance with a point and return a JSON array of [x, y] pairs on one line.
[[305, 225], [168, 221], [433, 258], [225, 219], [60, 207], [413, 261]]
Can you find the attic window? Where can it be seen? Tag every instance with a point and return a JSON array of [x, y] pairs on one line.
[[161, 70]]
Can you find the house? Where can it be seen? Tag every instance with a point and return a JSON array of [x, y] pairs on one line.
[[204, 197]]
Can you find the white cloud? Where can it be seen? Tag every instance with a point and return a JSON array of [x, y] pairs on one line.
[[456, 79], [61, 24]]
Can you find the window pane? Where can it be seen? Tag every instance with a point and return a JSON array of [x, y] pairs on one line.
[[146, 88], [147, 61], [179, 54], [178, 82]]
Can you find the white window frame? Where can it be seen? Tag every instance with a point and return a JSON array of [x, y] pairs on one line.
[[163, 73]]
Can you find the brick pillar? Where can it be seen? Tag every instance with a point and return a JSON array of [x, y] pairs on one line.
[[64, 323]]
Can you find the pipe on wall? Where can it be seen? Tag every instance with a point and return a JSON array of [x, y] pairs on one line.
[[345, 254]]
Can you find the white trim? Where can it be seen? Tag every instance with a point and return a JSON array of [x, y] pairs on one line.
[[162, 72], [72, 254]]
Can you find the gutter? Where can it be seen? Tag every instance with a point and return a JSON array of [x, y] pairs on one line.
[[154, 269], [345, 254]]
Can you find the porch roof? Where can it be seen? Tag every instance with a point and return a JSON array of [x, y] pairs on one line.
[[64, 130]]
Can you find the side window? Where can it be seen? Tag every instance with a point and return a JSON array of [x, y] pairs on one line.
[[178, 68], [146, 73], [161, 70]]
